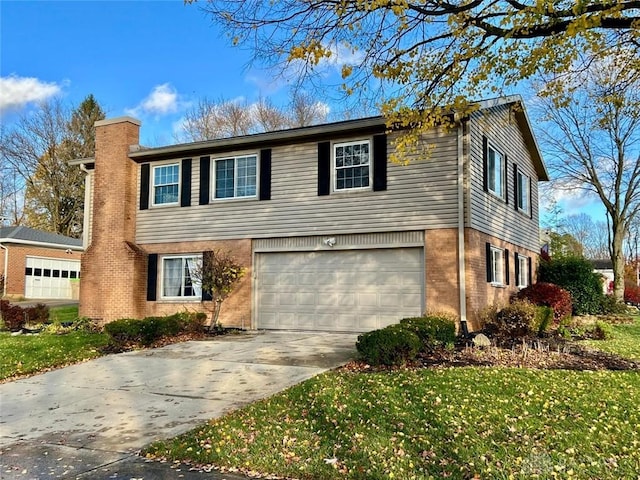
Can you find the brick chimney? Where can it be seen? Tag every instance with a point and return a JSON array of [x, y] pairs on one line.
[[113, 267]]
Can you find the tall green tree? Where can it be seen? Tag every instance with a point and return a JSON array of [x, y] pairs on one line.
[[423, 58], [38, 149]]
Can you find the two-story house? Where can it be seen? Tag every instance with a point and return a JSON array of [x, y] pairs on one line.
[[333, 235]]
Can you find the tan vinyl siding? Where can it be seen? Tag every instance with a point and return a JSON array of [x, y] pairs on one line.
[[490, 214], [421, 195]]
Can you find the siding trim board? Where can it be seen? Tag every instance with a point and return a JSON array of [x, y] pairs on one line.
[[342, 242]]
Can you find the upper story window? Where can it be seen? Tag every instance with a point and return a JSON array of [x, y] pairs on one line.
[[179, 277], [495, 172], [166, 184], [352, 162], [523, 193], [236, 177], [496, 266]]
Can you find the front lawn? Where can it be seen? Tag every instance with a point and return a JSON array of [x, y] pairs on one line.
[[471, 422], [25, 354], [64, 313]]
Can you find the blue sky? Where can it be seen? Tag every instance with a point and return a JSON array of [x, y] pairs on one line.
[[149, 59]]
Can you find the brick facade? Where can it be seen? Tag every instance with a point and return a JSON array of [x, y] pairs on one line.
[[441, 271], [479, 292], [114, 269], [236, 310], [18, 254]]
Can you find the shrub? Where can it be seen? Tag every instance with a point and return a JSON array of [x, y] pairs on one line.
[[609, 305], [601, 331], [548, 295], [13, 316], [632, 294], [576, 275], [515, 320], [392, 345], [39, 313], [543, 319], [434, 330], [132, 332]]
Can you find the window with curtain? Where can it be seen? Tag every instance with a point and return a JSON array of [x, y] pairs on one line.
[[179, 279]]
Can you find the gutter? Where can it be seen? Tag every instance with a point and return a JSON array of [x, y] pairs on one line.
[[6, 265], [462, 274], [58, 246]]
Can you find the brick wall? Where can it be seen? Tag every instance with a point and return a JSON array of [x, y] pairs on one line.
[[441, 270], [17, 262], [113, 267], [236, 310], [479, 292]]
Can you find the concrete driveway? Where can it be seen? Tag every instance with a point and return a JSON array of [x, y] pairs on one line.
[[81, 421]]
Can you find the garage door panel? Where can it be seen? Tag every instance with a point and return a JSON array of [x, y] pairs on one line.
[[50, 277], [355, 290]]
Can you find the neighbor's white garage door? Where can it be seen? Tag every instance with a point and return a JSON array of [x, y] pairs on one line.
[[349, 290], [50, 277]]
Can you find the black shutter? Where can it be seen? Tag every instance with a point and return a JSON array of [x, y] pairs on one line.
[[530, 197], [485, 164], [516, 187], [505, 179], [529, 272], [145, 173], [206, 260], [489, 264], [516, 267], [324, 168], [185, 187], [379, 163], [205, 179], [506, 266], [152, 276], [265, 174]]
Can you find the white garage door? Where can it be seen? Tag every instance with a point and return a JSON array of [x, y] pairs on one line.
[[50, 277], [349, 290]]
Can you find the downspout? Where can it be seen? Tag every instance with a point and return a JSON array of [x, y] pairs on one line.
[[85, 214], [6, 264], [462, 275]]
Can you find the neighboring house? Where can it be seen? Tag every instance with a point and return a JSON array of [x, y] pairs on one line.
[[37, 264], [332, 234], [604, 267]]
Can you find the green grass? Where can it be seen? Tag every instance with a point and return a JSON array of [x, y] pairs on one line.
[[66, 313], [625, 341], [446, 423], [436, 423], [26, 354]]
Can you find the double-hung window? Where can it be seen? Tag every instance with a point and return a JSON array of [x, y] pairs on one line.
[[495, 172], [236, 177], [523, 271], [497, 266], [166, 184], [522, 192], [180, 277], [352, 165]]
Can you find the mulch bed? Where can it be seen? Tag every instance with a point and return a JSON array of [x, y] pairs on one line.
[[556, 355]]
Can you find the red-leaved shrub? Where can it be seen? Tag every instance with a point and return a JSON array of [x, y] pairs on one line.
[[632, 294], [13, 316], [548, 295]]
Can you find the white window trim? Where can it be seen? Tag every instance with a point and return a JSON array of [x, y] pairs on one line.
[[235, 177], [153, 184], [334, 168], [523, 260], [193, 298], [523, 193], [497, 274], [503, 179]]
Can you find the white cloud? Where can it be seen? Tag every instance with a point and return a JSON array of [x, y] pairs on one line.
[[16, 92], [162, 100]]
